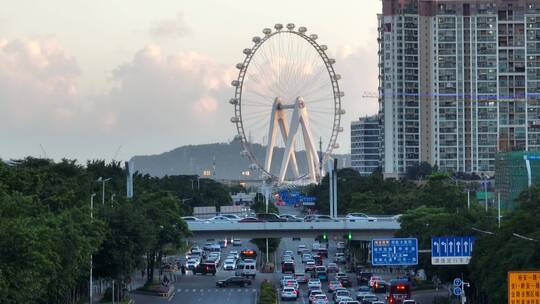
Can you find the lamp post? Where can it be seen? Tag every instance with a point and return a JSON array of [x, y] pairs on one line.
[[103, 181], [485, 192], [112, 199], [91, 262]]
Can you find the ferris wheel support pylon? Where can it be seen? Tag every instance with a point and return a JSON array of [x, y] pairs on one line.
[[278, 119], [300, 118]]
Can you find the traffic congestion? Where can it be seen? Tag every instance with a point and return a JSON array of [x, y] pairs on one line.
[[306, 271]]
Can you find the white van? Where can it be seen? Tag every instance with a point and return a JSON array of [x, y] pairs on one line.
[[246, 269]]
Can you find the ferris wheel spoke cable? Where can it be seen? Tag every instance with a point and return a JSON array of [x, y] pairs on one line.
[[269, 85]]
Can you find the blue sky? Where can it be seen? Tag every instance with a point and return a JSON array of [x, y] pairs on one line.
[[82, 78]]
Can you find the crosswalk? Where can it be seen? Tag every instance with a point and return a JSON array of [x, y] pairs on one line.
[[210, 290]]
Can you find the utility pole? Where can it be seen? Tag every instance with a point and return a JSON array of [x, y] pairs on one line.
[[499, 208], [91, 258]]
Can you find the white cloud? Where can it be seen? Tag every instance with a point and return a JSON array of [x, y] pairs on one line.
[[170, 28], [38, 84]]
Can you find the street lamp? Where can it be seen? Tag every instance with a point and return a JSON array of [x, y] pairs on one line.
[[103, 181], [91, 262], [524, 237]]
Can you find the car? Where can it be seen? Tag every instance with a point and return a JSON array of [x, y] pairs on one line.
[[290, 218], [321, 272], [373, 280], [369, 299], [246, 268], [362, 292], [231, 257], [345, 281], [287, 267], [291, 283], [232, 217], [383, 302], [332, 267], [289, 253], [235, 253], [270, 217], [341, 295], [340, 245], [339, 258], [220, 219], [315, 246], [191, 219], [333, 285], [323, 218], [284, 279], [319, 299], [301, 277], [318, 260], [233, 281], [229, 264], [236, 242], [409, 302], [310, 266], [306, 257], [347, 301], [250, 220], [353, 217], [380, 286], [205, 268], [192, 263], [289, 293], [314, 283], [313, 293], [363, 277], [323, 252], [223, 243], [301, 249]]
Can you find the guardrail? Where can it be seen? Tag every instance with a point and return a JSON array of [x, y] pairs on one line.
[[291, 226]]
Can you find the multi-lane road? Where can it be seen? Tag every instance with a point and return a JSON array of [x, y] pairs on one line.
[[191, 288]]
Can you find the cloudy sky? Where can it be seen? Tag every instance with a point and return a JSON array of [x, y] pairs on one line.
[[83, 78]]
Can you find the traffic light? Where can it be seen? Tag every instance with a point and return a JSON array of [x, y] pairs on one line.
[[324, 236], [349, 236]]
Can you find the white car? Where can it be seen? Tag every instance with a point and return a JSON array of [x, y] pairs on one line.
[[229, 264], [342, 295], [289, 293], [191, 219], [284, 279], [314, 284], [301, 249], [220, 219], [352, 217], [306, 257], [235, 253], [192, 263], [232, 217]]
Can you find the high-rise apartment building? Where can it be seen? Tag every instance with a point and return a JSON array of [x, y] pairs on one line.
[[459, 81], [365, 144]]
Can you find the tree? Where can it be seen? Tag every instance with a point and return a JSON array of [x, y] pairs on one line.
[[495, 255]]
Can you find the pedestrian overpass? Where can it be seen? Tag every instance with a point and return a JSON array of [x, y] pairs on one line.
[[358, 230]]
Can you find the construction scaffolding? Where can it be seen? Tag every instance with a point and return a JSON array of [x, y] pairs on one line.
[[514, 172]]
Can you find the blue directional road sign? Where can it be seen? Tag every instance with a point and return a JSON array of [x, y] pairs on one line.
[[451, 250], [396, 251], [457, 291], [457, 282]]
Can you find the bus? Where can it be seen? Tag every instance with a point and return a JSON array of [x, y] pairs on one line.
[[248, 254], [399, 292]]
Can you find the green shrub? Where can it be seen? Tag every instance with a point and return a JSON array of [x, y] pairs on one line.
[[268, 293]]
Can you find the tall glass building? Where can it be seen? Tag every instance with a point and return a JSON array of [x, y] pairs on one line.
[[459, 82], [365, 144]]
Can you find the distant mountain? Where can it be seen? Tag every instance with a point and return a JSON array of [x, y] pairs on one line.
[[194, 159]]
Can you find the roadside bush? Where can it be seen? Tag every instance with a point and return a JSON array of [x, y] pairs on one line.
[[268, 293]]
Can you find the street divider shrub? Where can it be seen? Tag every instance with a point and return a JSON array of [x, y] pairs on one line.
[[268, 293]]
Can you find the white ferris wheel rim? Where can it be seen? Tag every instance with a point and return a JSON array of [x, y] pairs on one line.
[[238, 83]]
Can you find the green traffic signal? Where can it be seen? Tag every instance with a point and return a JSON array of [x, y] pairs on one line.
[[324, 236], [350, 236]]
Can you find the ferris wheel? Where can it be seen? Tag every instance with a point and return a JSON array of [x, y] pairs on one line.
[[287, 103]]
